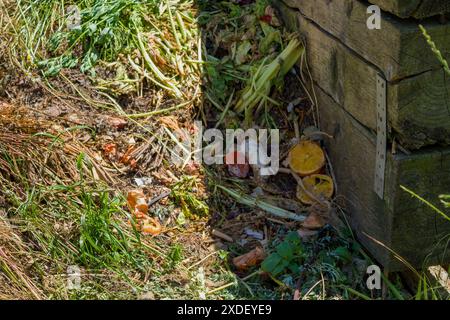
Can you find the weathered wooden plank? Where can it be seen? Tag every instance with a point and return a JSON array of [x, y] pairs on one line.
[[401, 8], [418, 107], [400, 222], [398, 49], [418, 9], [352, 152]]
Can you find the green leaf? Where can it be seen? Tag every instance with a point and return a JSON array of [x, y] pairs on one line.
[[285, 250], [271, 262], [260, 7], [242, 53], [235, 10], [55, 41], [293, 238], [343, 253], [280, 268], [294, 267], [181, 219]]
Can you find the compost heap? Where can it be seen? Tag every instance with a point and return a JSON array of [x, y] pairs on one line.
[[91, 95]]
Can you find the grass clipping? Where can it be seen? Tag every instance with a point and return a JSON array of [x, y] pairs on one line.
[[267, 75], [267, 207], [119, 44]]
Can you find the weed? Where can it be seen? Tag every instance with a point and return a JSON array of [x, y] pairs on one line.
[[175, 256], [288, 256], [185, 194]]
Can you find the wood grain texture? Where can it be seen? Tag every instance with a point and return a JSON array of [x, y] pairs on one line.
[[353, 156], [419, 109], [417, 228], [344, 63], [400, 222], [418, 9], [398, 50], [418, 106]]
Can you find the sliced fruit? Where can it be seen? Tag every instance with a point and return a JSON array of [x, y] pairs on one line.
[[319, 185], [306, 158]]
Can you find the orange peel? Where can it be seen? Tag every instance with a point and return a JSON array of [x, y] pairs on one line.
[[319, 185], [137, 202], [306, 158], [151, 226]]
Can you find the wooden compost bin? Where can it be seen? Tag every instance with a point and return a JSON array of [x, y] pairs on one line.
[[346, 60], [414, 8]]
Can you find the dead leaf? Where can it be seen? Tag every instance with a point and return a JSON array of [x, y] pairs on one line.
[[127, 157], [53, 111], [110, 150], [139, 216], [170, 122], [314, 221], [75, 118], [133, 164], [116, 123], [319, 215], [192, 168]]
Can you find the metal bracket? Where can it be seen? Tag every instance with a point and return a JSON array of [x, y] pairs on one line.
[[380, 163]]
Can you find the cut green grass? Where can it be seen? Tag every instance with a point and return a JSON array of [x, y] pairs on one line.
[[140, 38]]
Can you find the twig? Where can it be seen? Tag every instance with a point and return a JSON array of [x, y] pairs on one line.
[[221, 235], [158, 198], [202, 260], [233, 283]]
